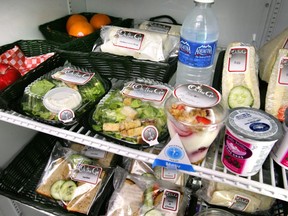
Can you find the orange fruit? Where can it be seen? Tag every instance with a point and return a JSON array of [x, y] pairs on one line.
[[99, 20], [80, 29], [73, 19]]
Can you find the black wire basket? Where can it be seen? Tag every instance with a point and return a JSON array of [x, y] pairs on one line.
[[19, 180], [115, 66], [29, 48], [56, 29]]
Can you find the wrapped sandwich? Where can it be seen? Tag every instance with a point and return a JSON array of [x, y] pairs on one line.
[[75, 181], [150, 196], [240, 76]]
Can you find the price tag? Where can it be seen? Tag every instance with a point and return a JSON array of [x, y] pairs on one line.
[[173, 156]]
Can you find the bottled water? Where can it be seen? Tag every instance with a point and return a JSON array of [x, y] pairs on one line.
[[198, 43]]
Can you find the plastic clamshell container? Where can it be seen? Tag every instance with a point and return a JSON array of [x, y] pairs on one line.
[[129, 110], [213, 212], [61, 96]]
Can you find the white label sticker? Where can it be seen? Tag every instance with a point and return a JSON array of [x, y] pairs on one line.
[[170, 201], [238, 59], [86, 173], [93, 152], [240, 203], [197, 95], [150, 135], [158, 27], [283, 71], [73, 76], [66, 115], [128, 39], [146, 92], [168, 174]]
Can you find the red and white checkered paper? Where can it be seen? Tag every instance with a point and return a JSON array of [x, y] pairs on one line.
[[16, 58]]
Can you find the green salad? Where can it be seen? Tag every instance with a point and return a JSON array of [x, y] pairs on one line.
[[32, 102], [123, 117]]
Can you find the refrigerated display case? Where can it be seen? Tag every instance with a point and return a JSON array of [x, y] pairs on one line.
[[248, 21]]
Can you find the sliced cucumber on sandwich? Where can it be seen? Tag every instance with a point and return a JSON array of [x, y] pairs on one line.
[[240, 96], [63, 190]]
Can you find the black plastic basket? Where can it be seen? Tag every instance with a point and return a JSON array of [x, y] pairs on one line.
[[115, 66], [29, 48], [20, 178], [56, 29]]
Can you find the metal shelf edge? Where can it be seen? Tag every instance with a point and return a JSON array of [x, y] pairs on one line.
[[202, 172]]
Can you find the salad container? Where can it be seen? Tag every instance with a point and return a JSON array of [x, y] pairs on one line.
[[132, 113], [61, 96], [196, 114]]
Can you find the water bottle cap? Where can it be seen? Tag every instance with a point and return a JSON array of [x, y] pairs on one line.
[[204, 1]]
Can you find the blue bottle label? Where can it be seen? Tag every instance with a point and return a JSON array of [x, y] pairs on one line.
[[196, 54]]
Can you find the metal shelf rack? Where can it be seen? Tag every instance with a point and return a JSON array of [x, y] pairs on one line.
[[267, 181]]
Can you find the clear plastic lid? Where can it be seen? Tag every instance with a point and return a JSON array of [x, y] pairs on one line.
[[62, 98], [196, 104], [214, 212]]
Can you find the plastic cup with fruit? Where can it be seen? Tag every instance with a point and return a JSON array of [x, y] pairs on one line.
[[196, 114]]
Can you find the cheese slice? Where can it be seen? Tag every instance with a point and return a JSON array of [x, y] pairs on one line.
[[240, 76], [277, 90], [268, 53]]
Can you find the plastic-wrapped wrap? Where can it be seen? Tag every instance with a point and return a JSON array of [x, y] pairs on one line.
[[140, 44], [241, 200], [142, 195]]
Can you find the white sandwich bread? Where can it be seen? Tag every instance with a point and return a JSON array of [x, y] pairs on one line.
[[240, 86], [268, 53], [277, 92]]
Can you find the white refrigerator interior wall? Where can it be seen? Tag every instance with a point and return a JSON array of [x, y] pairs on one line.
[[238, 21]]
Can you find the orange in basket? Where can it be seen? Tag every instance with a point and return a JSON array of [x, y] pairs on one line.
[[99, 20], [73, 19], [81, 29]]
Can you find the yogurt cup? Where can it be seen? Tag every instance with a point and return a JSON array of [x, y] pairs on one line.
[[249, 137], [195, 113], [279, 152]]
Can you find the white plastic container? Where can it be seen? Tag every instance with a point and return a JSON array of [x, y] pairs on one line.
[[279, 152], [198, 43], [249, 137]]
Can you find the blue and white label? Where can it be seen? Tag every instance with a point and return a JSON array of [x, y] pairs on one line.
[[196, 54], [174, 156]]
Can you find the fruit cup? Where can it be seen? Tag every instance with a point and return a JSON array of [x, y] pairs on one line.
[[196, 114]]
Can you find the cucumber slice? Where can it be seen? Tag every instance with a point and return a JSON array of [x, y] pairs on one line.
[[148, 197], [67, 190], [79, 159], [55, 189], [240, 96]]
